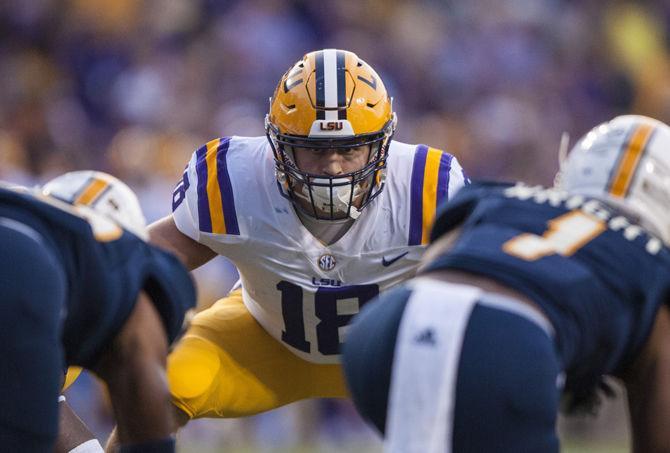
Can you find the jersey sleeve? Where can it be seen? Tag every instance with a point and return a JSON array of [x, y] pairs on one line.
[[203, 201], [110, 276], [185, 202], [456, 210], [171, 289], [457, 177], [436, 177]]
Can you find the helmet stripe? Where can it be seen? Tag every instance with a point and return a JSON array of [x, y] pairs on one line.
[[341, 86], [91, 192], [622, 177], [320, 86], [330, 83]]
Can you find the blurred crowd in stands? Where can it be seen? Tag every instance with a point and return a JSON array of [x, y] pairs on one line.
[[133, 87]]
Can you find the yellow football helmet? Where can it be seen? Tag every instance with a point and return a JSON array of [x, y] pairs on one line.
[[330, 99]]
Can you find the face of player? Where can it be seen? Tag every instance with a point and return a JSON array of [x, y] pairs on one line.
[[331, 162]]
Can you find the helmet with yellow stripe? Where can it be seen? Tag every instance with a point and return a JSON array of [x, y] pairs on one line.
[[103, 193], [330, 100], [625, 161]]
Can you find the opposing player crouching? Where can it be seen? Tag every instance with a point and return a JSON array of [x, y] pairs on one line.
[[530, 294], [79, 289]]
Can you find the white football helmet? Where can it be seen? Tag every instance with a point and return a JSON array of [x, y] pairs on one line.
[[103, 193], [626, 162]]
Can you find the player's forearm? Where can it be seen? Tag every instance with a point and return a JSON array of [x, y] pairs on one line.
[[73, 432], [648, 389], [134, 370], [142, 406], [649, 416]]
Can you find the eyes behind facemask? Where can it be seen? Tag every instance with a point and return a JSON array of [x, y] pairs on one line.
[[371, 151]]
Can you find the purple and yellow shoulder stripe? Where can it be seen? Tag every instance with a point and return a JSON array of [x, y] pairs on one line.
[[216, 205], [429, 188]]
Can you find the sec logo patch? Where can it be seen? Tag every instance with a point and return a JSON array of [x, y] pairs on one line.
[[327, 262]]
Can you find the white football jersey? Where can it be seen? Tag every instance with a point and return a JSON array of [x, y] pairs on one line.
[[303, 292]]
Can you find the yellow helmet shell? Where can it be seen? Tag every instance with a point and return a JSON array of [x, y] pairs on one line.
[[330, 93]]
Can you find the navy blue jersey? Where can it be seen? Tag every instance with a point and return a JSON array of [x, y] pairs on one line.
[[106, 268], [598, 276]]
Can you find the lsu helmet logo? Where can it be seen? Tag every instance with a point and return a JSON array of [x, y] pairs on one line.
[[325, 128], [331, 125]]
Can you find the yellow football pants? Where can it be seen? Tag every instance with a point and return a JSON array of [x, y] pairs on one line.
[[227, 365]]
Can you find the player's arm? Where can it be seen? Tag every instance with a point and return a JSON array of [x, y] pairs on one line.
[[647, 383], [134, 370], [73, 432], [165, 234]]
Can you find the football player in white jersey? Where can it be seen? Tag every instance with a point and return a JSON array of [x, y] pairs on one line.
[[319, 216]]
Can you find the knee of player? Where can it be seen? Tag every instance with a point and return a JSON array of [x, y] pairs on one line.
[[192, 368]]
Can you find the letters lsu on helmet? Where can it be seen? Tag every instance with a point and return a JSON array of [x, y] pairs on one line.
[[104, 194], [625, 161], [330, 100]]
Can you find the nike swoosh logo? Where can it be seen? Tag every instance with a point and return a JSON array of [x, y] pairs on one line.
[[387, 263]]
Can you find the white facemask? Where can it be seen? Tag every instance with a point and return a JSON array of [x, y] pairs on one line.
[[341, 195]]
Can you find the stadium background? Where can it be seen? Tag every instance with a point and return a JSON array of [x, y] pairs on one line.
[[133, 87]]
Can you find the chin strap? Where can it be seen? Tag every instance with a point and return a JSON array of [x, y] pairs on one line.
[[354, 213]]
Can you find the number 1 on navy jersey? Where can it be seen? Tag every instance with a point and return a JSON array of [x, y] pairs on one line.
[[326, 310], [565, 235]]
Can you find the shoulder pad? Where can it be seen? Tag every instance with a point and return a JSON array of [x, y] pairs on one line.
[[455, 211]]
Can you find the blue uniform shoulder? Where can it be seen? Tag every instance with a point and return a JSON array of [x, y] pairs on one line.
[[105, 274], [107, 279], [171, 289], [457, 209]]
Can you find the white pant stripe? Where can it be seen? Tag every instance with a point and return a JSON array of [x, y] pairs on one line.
[[423, 380]]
